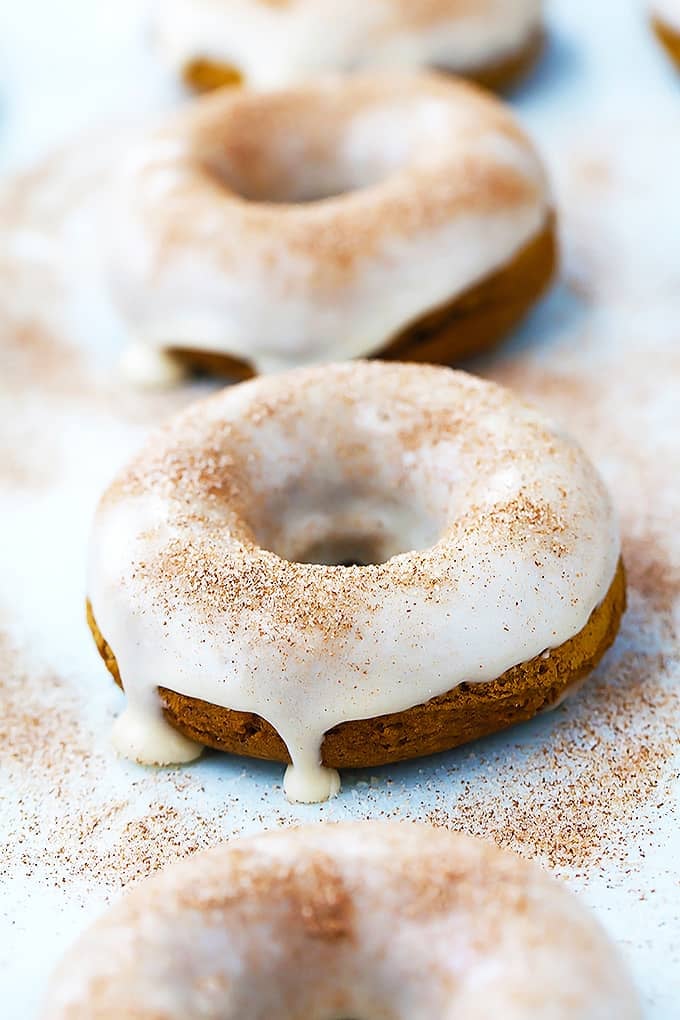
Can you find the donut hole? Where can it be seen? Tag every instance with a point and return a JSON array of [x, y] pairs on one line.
[[334, 525], [345, 529], [335, 486], [344, 551], [315, 182], [294, 148]]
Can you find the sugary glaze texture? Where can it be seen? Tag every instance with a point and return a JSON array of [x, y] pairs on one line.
[[329, 221], [353, 920], [471, 324], [499, 74], [479, 538], [465, 713]]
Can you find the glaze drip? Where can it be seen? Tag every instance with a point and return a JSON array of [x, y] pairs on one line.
[[510, 544]]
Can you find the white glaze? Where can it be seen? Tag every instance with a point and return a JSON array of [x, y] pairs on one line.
[[360, 920], [519, 545], [283, 44], [441, 188], [150, 368], [668, 12]]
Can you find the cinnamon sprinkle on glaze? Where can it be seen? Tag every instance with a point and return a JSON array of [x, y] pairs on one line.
[[286, 193], [377, 916], [484, 511]]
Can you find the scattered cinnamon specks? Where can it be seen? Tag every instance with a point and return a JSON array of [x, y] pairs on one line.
[[588, 797], [588, 790]]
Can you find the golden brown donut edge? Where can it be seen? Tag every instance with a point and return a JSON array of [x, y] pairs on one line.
[[205, 75], [669, 39], [472, 323], [467, 712]]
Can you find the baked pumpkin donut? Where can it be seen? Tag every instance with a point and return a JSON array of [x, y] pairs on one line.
[[386, 920], [350, 565], [212, 43], [257, 231], [666, 22]]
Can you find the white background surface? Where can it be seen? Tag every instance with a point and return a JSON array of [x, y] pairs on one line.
[[605, 100]]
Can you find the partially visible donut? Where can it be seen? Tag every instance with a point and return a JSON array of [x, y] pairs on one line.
[[489, 581], [212, 43], [357, 920], [666, 22], [394, 213]]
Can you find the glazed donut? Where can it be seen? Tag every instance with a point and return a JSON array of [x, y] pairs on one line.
[[362, 920], [211, 43], [264, 231], [666, 22], [398, 557]]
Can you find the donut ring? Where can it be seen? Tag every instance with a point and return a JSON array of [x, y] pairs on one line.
[[213, 43], [400, 214], [476, 520], [666, 24], [391, 920]]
